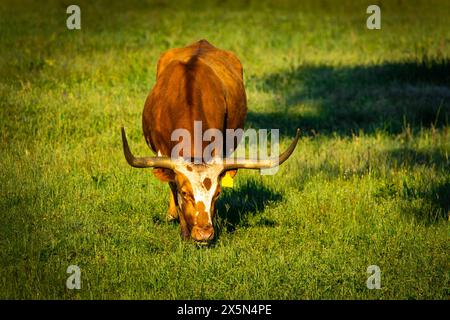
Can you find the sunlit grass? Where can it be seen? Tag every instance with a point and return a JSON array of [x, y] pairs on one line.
[[368, 184]]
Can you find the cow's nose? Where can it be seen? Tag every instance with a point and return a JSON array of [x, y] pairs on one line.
[[203, 234]]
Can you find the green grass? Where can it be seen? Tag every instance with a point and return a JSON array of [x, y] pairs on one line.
[[369, 182]]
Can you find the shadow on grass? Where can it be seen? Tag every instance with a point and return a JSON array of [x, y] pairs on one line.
[[427, 205], [426, 202], [236, 206], [343, 100], [409, 157], [389, 97]]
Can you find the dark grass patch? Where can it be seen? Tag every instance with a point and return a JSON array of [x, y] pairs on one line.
[[348, 99]]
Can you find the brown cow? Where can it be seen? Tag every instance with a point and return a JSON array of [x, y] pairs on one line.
[[196, 83]]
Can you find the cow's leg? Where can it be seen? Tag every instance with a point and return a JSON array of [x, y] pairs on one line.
[[184, 229], [172, 213]]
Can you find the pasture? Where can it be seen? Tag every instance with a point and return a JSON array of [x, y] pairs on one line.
[[369, 182]]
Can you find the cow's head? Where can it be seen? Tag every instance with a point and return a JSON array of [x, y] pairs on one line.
[[197, 186]]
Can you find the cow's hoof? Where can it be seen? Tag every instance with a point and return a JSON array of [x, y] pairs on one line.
[[186, 236], [171, 216]]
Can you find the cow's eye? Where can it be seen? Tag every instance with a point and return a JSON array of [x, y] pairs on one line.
[[184, 194]]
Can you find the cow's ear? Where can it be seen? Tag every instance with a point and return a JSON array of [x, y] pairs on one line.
[[165, 175]]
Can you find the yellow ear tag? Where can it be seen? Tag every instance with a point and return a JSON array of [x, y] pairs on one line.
[[227, 181]]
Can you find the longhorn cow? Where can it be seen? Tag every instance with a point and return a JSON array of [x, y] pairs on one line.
[[196, 83]]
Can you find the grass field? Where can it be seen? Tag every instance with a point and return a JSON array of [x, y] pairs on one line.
[[369, 182]]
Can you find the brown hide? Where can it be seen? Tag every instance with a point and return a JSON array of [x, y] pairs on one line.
[[195, 83]]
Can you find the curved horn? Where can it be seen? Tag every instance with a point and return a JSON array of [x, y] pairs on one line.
[[144, 162], [263, 164]]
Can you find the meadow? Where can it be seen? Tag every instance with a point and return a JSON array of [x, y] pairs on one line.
[[369, 182]]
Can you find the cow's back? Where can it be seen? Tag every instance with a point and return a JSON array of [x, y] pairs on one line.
[[195, 83]]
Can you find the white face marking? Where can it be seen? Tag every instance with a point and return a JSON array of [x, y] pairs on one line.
[[196, 178]]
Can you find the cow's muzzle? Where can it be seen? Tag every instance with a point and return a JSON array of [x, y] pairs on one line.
[[203, 234]]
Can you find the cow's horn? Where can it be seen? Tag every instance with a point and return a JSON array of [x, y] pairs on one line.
[[144, 162], [262, 164]]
